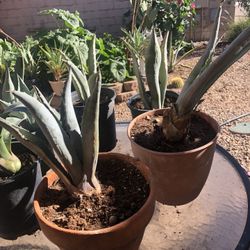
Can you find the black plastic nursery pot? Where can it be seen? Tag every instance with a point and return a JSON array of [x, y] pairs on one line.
[[17, 193], [171, 96], [107, 132]]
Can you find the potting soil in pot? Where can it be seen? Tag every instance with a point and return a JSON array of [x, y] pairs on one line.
[[124, 191], [147, 133]]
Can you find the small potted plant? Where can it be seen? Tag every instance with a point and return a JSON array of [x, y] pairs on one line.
[[98, 206], [155, 76], [178, 143], [20, 173], [55, 66]]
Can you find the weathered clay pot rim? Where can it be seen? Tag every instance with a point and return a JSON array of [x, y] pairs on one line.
[[108, 230], [149, 113]]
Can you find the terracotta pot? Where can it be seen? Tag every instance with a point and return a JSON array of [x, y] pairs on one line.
[[126, 235], [57, 87], [180, 176]]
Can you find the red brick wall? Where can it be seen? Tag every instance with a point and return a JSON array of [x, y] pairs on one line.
[[20, 17]]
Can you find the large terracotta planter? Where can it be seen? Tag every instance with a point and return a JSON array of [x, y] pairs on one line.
[[179, 177], [126, 235]]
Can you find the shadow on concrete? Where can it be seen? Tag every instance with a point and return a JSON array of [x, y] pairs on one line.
[[25, 247]]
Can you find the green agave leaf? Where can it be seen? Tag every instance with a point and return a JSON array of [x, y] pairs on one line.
[[8, 160], [190, 97], [80, 81], [56, 136], [43, 100], [205, 59], [90, 132], [22, 86], [152, 66], [69, 120], [163, 76], [40, 148], [138, 75], [4, 104], [8, 87]]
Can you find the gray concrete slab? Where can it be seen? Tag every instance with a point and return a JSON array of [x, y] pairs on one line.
[[215, 220]]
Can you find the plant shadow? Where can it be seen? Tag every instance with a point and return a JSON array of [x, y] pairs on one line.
[[26, 247]]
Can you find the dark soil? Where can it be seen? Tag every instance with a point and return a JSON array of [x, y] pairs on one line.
[[27, 161], [124, 191], [148, 134]]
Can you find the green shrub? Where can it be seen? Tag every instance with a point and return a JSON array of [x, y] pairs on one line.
[[236, 28]]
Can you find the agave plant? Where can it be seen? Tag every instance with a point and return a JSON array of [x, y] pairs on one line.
[[69, 149], [176, 118], [10, 163]]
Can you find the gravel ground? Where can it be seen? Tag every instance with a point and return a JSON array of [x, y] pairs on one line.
[[229, 97]]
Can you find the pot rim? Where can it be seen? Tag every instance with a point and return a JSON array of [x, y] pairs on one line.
[[131, 124], [137, 97], [134, 98], [147, 175]]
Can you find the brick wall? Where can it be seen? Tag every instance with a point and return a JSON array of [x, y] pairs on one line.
[[20, 17]]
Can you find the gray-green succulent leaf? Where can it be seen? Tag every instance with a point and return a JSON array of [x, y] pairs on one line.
[[55, 135]]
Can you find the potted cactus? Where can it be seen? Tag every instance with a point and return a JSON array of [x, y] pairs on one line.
[[178, 143], [109, 195], [20, 174]]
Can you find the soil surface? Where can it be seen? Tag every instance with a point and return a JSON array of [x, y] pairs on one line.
[[148, 134], [229, 97], [124, 191]]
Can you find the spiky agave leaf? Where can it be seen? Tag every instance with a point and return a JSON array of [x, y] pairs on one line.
[[69, 120], [152, 66], [22, 86], [8, 159], [7, 88], [80, 81], [90, 132], [189, 98], [138, 75], [54, 133], [39, 95], [40, 148], [205, 59], [163, 75]]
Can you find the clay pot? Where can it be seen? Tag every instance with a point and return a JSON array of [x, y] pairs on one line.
[[57, 87], [180, 176], [126, 235]]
